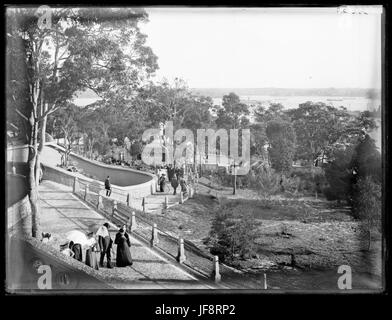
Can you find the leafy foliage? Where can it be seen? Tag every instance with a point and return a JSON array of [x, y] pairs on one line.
[[318, 127], [274, 112], [366, 159], [281, 139], [338, 173], [233, 114], [232, 234], [367, 204]]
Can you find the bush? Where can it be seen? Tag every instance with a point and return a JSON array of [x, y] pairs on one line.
[[367, 204], [311, 179], [266, 182], [338, 173], [232, 234], [281, 137]]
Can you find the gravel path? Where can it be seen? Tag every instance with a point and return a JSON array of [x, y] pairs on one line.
[[63, 212]]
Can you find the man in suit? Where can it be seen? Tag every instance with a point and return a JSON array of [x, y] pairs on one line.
[[105, 244], [108, 187]]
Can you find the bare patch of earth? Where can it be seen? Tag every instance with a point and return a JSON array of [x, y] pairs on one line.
[[317, 235]]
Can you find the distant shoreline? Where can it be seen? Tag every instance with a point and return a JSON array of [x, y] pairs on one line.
[[332, 92], [370, 93]]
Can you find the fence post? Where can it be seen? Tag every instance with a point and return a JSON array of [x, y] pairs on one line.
[[114, 207], [99, 204], [166, 202], [265, 281], [181, 197], [144, 204], [152, 188], [215, 272], [181, 251], [154, 236], [128, 199], [190, 192], [133, 221], [75, 183], [86, 192]]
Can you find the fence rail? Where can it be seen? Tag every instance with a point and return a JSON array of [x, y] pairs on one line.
[[123, 212]]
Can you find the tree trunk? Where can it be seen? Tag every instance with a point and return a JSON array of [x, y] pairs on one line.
[[40, 148], [369, 235], [32, 182], [66, 149]]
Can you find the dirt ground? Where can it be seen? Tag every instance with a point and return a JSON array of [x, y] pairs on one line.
[[319, 236]]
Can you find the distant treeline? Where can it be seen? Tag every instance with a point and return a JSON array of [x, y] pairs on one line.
[[339, 92]]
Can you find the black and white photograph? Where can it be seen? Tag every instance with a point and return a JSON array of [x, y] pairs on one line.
[[194, 149]]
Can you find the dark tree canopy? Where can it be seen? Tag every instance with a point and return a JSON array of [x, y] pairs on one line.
[[281, 139]]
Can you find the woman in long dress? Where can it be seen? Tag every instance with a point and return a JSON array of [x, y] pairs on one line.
[[91, 252], [123, 243]]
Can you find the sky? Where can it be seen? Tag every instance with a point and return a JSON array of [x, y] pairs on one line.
[[255, 47]]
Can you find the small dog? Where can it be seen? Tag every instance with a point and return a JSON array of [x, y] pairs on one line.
[[46, 236]]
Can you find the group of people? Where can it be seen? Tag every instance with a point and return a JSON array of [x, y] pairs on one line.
[[174, 175], [176, 178], [101, 242]]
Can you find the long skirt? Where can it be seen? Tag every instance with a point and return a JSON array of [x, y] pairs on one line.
[[91, 259], [77, 250], [124, 257]]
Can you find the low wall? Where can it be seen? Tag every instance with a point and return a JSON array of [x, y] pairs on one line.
[[122, 177], [18, 204], [67, 178], [16, 188], [18, 153], [20, 168], [59, 175], [19, 217], [119, 176]]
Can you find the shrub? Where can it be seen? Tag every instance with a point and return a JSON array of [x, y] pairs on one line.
[[338, 174], [367, 204], [266, 182], [312, 179], [281, 138], [232, 234]]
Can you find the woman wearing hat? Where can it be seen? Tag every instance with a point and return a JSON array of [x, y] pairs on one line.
[[123, 243], [162, 182]]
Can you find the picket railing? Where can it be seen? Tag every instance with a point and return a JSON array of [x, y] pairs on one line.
[[126, 213]]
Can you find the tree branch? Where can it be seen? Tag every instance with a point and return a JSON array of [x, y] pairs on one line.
[[21, 114]]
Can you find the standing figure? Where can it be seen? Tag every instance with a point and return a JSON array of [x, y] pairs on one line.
[[184, 187], [170, 172], [91, 252], [174, 183], [123, 243], [108, 187], [105, 244], [77, 250], [162, 182]]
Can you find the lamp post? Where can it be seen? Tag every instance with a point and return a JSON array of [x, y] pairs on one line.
[[234, 173], [235, 178]]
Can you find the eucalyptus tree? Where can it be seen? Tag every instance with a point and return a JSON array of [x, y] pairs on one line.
[[66, 50]]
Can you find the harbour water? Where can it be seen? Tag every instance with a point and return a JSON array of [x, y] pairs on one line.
[[289, 102]]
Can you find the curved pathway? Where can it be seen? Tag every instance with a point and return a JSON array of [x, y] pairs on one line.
[[61, 211]]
